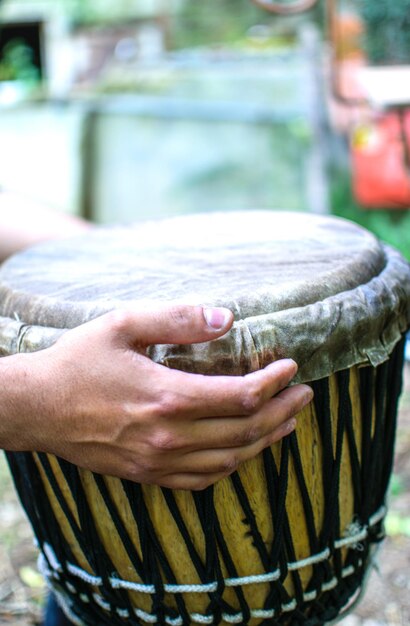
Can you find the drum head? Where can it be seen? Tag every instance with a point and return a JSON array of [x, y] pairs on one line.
[[288, 536], [318, 289]]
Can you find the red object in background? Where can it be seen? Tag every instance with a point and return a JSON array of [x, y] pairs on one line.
[[380, 153]]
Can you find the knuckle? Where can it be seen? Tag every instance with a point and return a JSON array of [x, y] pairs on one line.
[[147, 466], [119, 320], [251, 433], [252, 400], [168, 405], [164, 440], [141, 471], [230, 464], [286, 409], [179, 314]]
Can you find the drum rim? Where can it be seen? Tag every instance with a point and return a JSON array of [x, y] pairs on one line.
[[385, 300]]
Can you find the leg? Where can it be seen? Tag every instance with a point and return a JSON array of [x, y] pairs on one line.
[[54, 616]]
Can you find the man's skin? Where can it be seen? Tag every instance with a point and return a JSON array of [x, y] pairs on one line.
[[96, 400]]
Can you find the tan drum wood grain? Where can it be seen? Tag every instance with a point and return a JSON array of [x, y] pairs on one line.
[[317, 289], [230, 514]]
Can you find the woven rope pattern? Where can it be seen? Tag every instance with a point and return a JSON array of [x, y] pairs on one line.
[[51, 567], [338, 563], [236, 618]]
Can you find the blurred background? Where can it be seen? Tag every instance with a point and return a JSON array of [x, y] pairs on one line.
[[126, 110]]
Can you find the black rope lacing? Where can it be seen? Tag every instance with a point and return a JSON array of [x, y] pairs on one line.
[[370, 451]]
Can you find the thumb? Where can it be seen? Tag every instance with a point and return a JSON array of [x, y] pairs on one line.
[[174, 324]]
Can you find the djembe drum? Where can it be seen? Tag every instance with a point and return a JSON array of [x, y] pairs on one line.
[[288, 538]]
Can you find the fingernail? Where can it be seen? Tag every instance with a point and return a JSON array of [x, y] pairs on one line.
[[217, 318], [285, 362], [308, 397], [293, 364]]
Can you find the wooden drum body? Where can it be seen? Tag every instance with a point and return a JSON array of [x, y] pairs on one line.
[[288, 538]]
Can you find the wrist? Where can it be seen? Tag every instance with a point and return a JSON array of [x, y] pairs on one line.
[[23, 394]]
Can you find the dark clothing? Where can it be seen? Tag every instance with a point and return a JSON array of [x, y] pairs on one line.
[[54, 615]]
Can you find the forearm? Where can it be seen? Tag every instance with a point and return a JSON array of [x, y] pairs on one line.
[[96, 400], [21, 398], [24, 222]]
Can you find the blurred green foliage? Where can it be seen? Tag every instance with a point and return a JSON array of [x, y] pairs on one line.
[[397, 486], [17, 63], [215, 21], [196, 23], [107, 11], [397, 524], [89, 11], [389, 225], [387, 39], [230, 21]]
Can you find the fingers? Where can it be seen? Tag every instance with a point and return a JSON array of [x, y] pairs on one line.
[[207, 459], [152, 424], [191, 482], [192, 454], [232, 432], [172, 324], [227, 460], [200, 470], [215, 396]]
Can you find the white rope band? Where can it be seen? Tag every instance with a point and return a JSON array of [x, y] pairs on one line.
[[352, 538], [235, 618]]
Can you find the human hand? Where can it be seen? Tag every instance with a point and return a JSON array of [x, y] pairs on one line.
[[96, 400]]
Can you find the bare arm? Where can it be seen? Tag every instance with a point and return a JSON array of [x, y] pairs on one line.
[[24, 222], [95, 399]]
